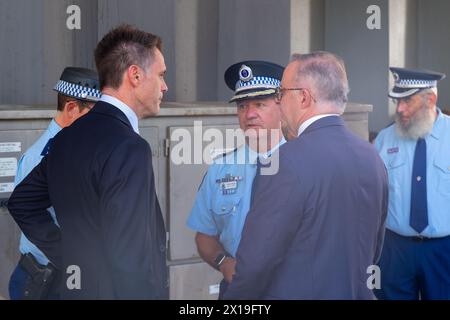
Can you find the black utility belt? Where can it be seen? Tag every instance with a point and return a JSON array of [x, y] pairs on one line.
[[418, 238]]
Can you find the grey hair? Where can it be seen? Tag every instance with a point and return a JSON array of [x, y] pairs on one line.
[[326, 72], [428, 91]]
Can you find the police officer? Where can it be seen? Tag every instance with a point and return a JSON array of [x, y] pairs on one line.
[[78, 90], [415, 260], [224, 197]]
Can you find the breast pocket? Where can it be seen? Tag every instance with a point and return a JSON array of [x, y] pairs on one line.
[[443, 168], [226, 205], [395, 168]]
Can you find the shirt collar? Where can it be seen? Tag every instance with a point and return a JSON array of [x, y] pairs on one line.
[[54, 127], [437, 128], [253, 155], [129, 113], [310, 121]]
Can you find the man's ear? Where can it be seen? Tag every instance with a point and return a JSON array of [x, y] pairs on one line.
[[71, 109], [305, 99], [432, 99], [133, 75]]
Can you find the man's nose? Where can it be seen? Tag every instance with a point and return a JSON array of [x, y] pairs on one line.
[[401, 106], [164, 87], [251, 112]]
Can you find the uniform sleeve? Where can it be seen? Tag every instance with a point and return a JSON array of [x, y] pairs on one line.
[[28, 206], [275, 216], [25, 165], [201, 219]]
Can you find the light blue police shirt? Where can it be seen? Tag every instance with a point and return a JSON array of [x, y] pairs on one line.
[[398, 155], [223, 199], [31, 158]]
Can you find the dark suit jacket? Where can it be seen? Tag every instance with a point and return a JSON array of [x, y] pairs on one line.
[[98, 176], [317, 225]]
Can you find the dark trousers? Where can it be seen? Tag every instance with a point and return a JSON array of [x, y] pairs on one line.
[[413, 269], [223, 287], [17, 283]]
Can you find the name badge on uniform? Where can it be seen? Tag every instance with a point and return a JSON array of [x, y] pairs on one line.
[[392, 150], [229, 184]]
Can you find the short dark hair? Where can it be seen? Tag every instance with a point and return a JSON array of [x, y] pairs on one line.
[[120, 48], [63, 99]]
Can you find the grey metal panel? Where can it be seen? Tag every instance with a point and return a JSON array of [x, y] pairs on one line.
[[151, 135], [26, 139], [9, 232], [197, 281], [184, 180], [9, 249]]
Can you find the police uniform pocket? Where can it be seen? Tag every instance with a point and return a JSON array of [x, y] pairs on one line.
[[443, 168], [226, 205], [395, 170]]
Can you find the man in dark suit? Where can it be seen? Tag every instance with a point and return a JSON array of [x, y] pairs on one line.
[[98, 176], [316, 226]]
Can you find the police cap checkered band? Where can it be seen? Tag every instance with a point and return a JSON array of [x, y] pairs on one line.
[[253, 79], [409, 81], [79, 83]]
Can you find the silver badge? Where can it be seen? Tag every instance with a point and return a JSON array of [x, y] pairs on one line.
[[396, 77], [245, 73]]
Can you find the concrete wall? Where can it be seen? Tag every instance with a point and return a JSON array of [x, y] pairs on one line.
[[366, 52], [36, 46], [251, 30], [203, 37], [433, 43]]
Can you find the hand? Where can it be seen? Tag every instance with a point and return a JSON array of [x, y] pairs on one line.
[[228, 268]]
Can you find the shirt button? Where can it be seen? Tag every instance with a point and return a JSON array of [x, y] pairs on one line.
[[162, 248], [419, 178], [223, 208]]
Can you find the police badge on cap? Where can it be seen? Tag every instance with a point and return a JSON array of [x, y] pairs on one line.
[[253, 79], [408, 81], [79, 83]]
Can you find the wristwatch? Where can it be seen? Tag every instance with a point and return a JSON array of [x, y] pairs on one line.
[[220, 259]]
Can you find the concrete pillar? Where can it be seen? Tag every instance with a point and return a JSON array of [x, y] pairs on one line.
[[307, 25], [186, 25], [365, 52], [402, 37]]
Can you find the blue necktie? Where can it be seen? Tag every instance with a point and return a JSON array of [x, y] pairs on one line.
[[419, 209]]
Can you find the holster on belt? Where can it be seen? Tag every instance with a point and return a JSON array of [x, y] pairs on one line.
[[41, 277]]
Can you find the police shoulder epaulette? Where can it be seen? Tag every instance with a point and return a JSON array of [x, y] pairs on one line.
[[390, 124], [221, 153]]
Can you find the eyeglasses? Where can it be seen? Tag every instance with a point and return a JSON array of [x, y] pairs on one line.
[[279, 92]]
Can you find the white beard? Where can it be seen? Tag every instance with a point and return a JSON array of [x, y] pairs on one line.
[[419, 126]]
